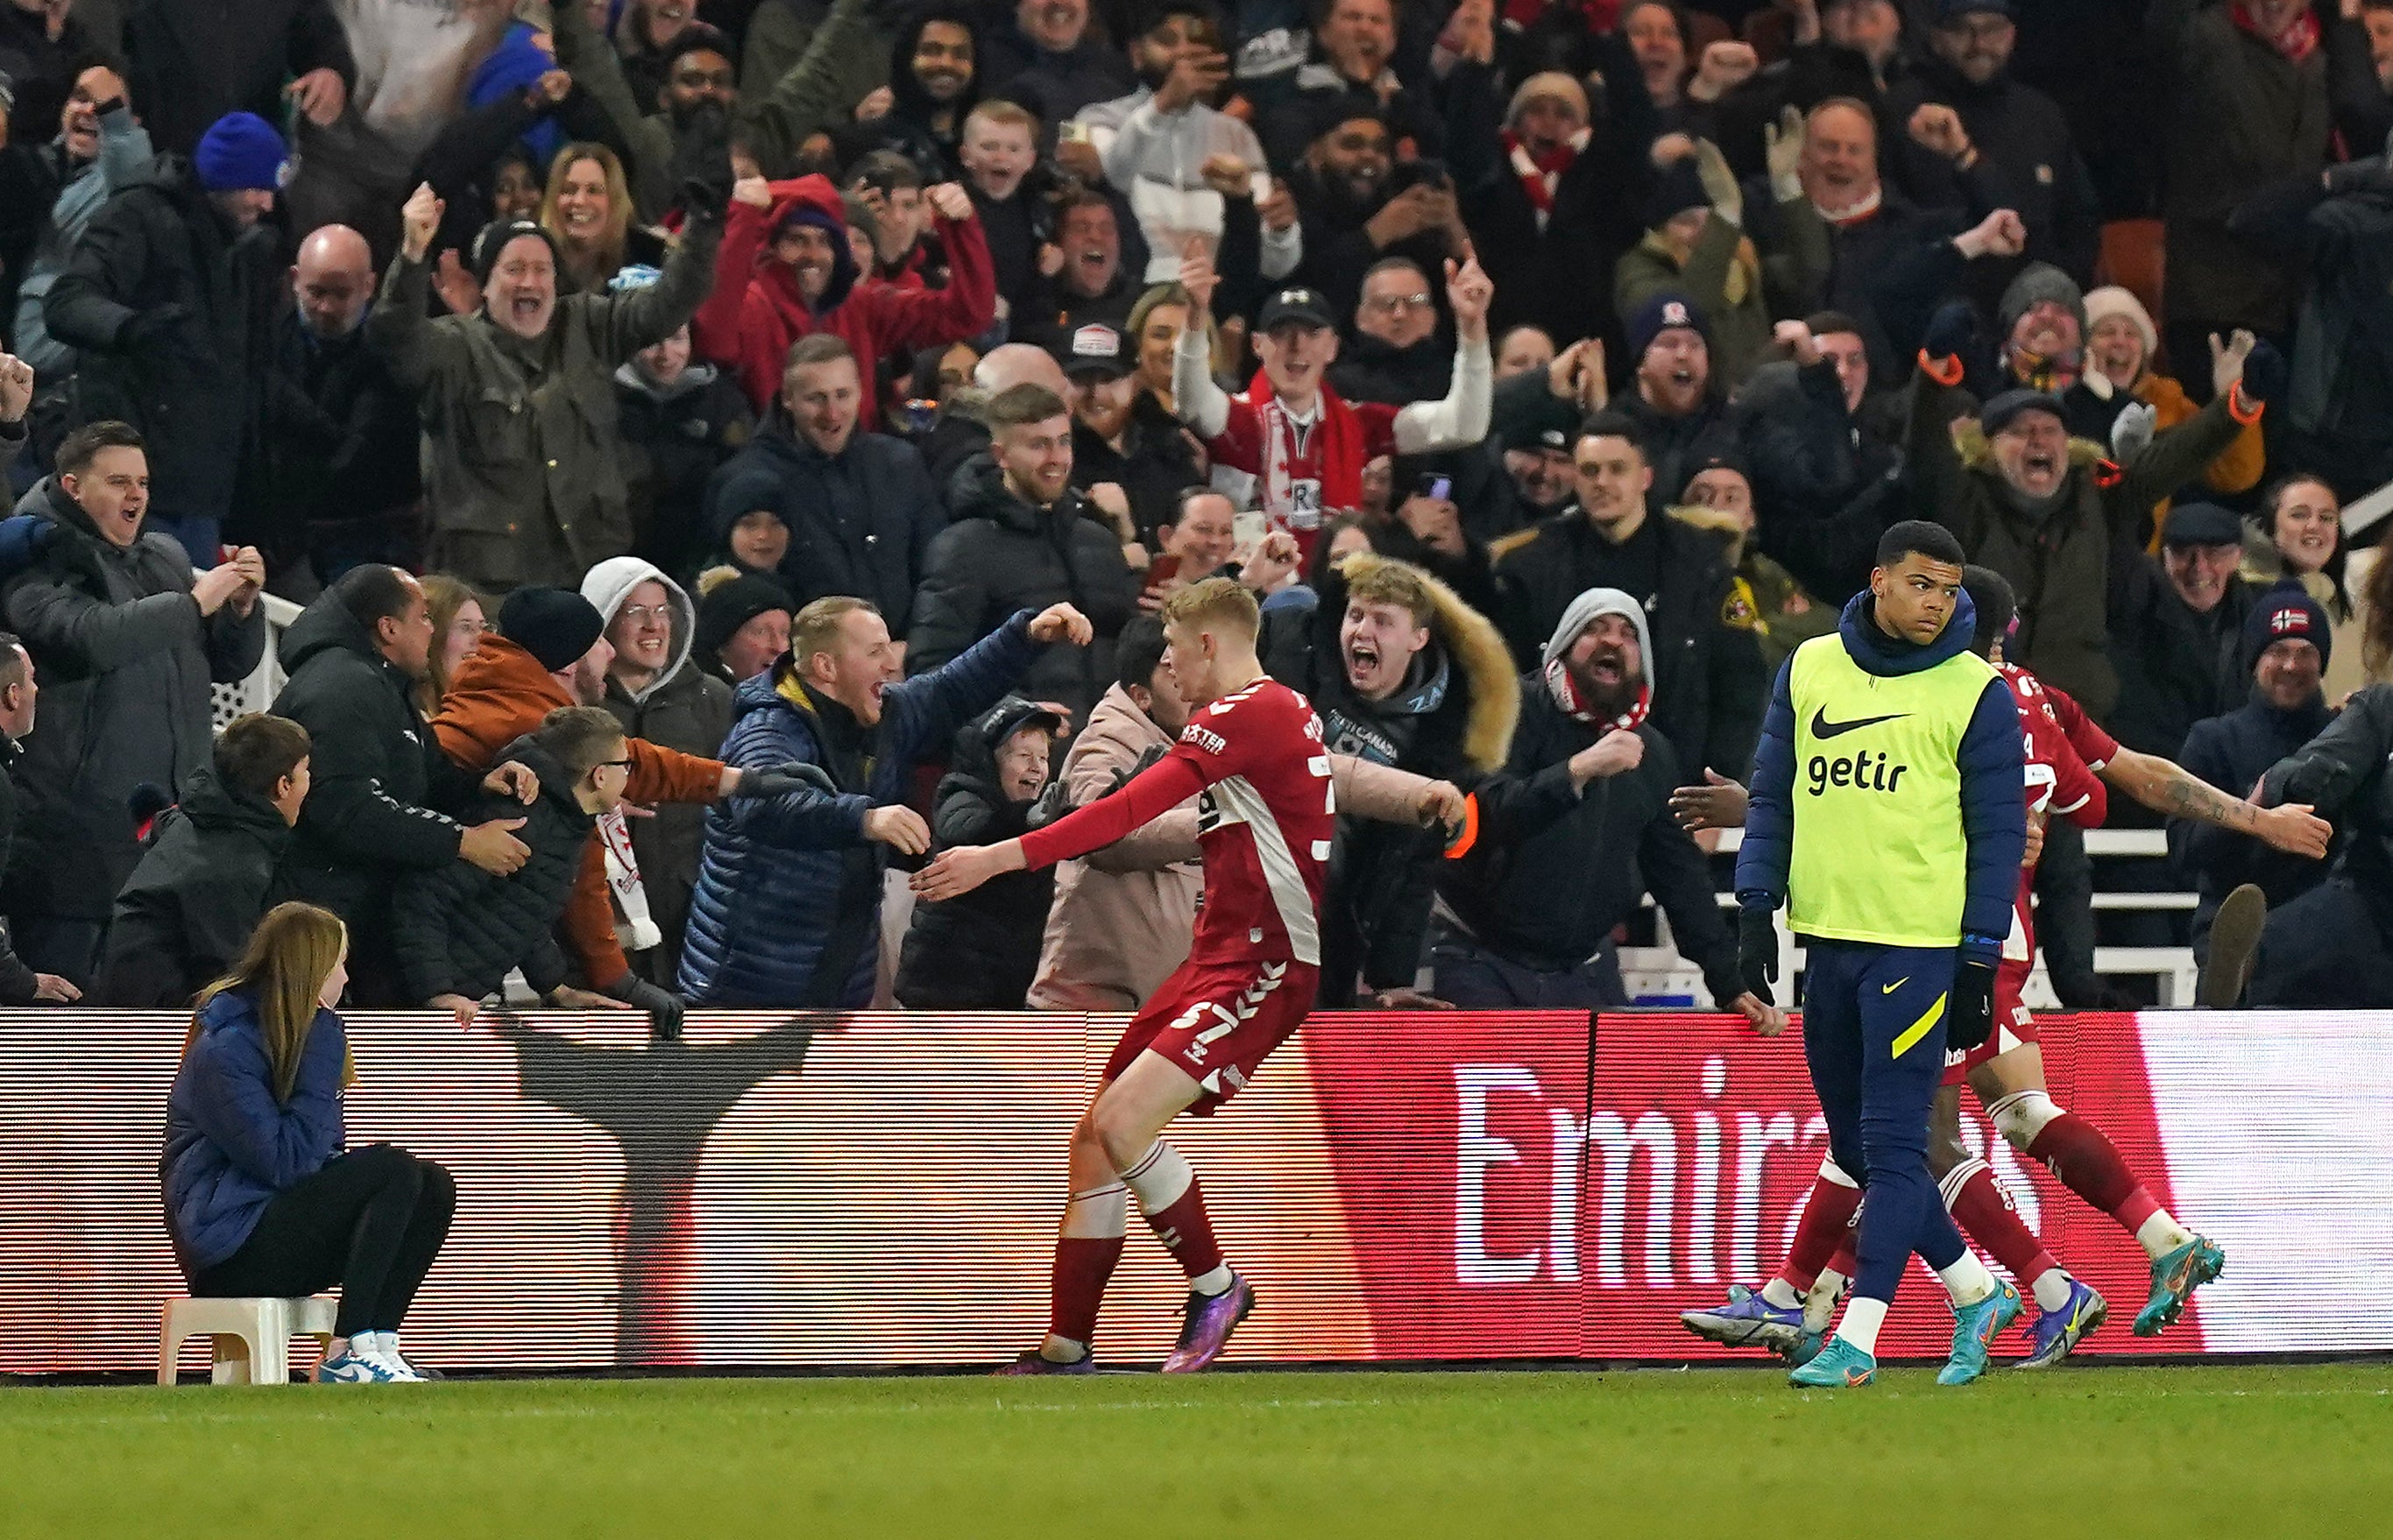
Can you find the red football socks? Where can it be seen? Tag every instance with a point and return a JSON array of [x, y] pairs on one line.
[[2090, 1165], [1083, 1266], [1982, 1208], [1827, 1224]]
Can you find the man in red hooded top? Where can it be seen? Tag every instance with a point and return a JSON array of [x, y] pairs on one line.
[[1289, 445], [785, 272]]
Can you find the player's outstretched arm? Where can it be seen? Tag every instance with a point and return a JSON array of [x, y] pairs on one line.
[[2167, 788], [960, 868]]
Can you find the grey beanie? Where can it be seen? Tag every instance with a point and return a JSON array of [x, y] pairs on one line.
[[2037, 283], [1587, 609]]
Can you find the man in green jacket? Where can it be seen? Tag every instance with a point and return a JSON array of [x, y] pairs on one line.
[[523, 453]]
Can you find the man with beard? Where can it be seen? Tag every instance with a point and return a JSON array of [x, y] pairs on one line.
[[688, 118], [50, 192], [1053, 62], [1403, 673], [1978, 138], [1122, 436], [1707, 657], [787, 271], [1541, 471], [519, 399], [340, 479], [1679, 416], [1396, 356], [935, 81], [1291, 445], [1533, 912], [1182, 163], [1353, 214]]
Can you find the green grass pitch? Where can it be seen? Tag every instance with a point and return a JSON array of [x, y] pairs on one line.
[[2097, 1452]]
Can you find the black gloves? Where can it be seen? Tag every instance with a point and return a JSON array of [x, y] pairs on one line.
[[664, 1007], [782, 779], [1757, 951], [1950, 331], [1970, 1019], [2265, 375], [702, 162]]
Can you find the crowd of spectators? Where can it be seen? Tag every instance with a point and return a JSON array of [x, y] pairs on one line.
[[725, 449]]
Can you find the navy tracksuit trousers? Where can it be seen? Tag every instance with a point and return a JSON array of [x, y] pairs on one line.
[[1874, 1035]]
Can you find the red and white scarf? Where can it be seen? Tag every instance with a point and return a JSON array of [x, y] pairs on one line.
[[1540, 175], [2297, 41], [1564, 690]]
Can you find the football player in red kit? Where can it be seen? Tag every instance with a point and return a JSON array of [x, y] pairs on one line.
[[1253, 756], [2070, 762]]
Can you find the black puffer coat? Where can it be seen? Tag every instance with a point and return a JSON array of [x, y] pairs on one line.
[[1002, 555], [372, 766], [196, 390], [458, 930], [187, 912]]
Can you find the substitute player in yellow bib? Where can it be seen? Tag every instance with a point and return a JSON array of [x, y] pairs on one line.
[[1888, 816]]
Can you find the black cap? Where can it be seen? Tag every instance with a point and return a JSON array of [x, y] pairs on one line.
[[1094, 347], [1953, 10], [1011, 715], [2005, 409], [2201, 524], [730, 602], [1308, 307], [555, 625]]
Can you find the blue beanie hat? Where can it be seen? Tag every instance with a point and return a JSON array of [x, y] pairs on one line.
[[242, 152], [511, 69], [2286, 613]]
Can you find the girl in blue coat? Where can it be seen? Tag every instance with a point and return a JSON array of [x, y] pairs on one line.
[[262, 1197]]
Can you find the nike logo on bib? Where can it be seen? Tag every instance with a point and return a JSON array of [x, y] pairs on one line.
[[1898, 984], [1823, 727]]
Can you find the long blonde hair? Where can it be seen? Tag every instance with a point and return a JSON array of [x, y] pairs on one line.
[[289, 954], [606, 257]]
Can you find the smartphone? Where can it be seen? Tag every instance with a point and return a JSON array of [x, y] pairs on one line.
[[1161, 570], [1437, 488]]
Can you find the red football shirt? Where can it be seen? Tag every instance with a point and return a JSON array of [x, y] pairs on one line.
[[2064, 749], [1266, 811], [1288, 460]]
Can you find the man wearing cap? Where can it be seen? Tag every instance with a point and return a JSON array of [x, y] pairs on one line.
[[1289, 445], [522, 456], [1680, 417], [2175, 635], [1560, 213], [860, 508], [2282, 645], [1533, 913], [163, 295], [2050, 514], [2333, 945], [551, 651], [1121, 434], [1979, 139]]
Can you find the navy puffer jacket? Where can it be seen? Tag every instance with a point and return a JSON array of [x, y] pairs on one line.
[[786, 883], [230, 1147]]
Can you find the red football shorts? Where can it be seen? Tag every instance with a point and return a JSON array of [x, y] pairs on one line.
[[2014, 1023], [1219, 1022]]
